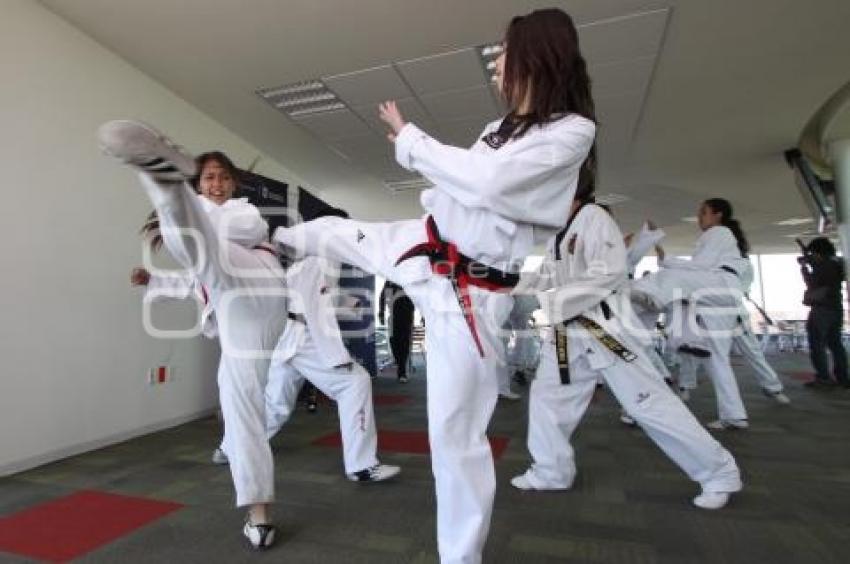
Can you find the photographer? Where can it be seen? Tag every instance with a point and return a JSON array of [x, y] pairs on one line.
[[823, 273]]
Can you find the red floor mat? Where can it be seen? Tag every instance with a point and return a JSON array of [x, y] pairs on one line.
[[391, 399], [71, 526], [802, 375], [412, 442]]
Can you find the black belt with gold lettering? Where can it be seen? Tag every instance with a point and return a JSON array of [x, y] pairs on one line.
[[608, 341]]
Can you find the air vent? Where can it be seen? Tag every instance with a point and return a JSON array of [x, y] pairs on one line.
[[399, 186], [304, 98], [489, 54]]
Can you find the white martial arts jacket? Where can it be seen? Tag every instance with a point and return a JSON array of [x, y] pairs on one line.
[[716, 247], [237, 221], [591, 268], [642, 242], [495, 204], [313, 293], [179, 286]]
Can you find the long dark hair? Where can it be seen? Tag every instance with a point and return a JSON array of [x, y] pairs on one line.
[[724, 208], [218, 157], [544, 64]]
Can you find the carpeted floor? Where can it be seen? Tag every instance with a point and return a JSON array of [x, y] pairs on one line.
[[629, 503]]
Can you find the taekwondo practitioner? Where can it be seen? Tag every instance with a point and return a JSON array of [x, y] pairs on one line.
[[710, 282], [400, 327], [582, 287], [311, 347], [745, 343], [223, 242], [488, 208]]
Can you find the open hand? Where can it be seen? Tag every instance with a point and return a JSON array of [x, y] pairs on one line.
[[389, 114]]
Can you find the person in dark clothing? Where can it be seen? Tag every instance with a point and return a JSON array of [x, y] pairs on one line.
[[824, 273], [401, 312]]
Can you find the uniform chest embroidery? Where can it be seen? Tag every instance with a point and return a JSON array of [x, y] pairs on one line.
[[360, 236]]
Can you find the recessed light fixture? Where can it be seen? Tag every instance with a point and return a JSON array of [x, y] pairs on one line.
[[489, 54], [307, 97], [399, 186], [690, 219], [794, 221]]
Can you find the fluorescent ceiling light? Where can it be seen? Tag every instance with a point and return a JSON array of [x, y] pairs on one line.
[[399, 186], [612, 199], [690, 219], [794, 221]]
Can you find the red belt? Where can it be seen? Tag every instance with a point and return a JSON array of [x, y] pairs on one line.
[[462, 271]]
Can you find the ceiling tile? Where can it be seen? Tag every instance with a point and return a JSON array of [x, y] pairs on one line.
[[627, 76], [409, 107], [472, 103], [368, 87], [623, 38], [362, 147], [334, 125], [446, 71], [461, 133]]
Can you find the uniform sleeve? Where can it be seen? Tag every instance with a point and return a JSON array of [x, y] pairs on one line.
[[510, 181], [175, 286], [605, 254], [643, 242], [713, 247], [240, 223]]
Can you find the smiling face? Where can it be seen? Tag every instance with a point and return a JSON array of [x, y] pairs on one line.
[[216, 183]]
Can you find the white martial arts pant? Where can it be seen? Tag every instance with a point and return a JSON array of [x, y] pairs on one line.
[[555, 410], [349, 386], [717, 297], [462, 387], [748, 346], [246, 291]]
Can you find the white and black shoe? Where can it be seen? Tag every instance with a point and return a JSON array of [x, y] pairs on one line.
[[220, 457], [627, 419], [377, 473], [260, 536], [146, 149]]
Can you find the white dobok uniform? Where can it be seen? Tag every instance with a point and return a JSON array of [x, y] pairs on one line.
[[222, 246], [744, 342], [590, 270], [315, 350], [494, 202], [710, 319]]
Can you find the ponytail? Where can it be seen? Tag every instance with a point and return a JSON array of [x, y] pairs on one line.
[[724, 208], [150, 231]]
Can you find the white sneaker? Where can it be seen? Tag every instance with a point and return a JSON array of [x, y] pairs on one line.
[[377, 473], [778, 397], [509, 395], [684, 394], [627, 419], [146, 149], [728, 424], [711, 500], [260, 536], [522, 482], [219, 457]]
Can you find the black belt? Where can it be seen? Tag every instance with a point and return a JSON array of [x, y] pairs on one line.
[[296, 317], [729, 269], [608, 341]]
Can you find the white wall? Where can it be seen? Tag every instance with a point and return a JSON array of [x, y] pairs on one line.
[[73, 352]]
